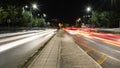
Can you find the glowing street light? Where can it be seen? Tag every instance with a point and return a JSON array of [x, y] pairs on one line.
[[44, 15], [88, 9], [34, 6], [26, 6], [88, 15], [38, 14]]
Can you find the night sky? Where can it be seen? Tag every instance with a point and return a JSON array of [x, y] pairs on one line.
[[64, 10], [69, 10]]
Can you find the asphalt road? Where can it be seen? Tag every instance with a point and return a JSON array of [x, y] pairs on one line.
[[16, 48], [103, 47]]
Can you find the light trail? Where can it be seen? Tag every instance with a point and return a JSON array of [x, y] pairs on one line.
[[105, 37], [20, 42], [16, 37], [4, 40], [16, 33]]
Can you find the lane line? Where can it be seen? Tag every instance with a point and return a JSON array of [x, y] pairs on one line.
[[102, 59], [99, 52]]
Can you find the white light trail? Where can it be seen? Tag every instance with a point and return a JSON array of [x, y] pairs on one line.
[[20, 42]]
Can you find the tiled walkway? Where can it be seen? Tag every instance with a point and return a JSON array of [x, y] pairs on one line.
[[63, 52]]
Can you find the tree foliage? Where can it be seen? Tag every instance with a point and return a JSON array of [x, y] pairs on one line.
[[15, 17], [102, 18], [26, 18], [3, 15], [13, 14]]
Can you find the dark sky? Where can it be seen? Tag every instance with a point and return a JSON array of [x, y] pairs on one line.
[[69, 10], [64, 10]]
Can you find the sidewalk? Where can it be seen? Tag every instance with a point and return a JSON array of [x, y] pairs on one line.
[[63, 52], [49, 56]]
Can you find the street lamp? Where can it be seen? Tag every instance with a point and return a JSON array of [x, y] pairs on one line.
[[88, 9], [34, 6], [26, 6], [38, 14], [44, 15]]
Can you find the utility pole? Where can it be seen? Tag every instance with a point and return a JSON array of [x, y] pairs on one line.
[[113, 4]]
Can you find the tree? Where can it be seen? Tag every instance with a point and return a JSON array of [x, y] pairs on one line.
[[94, 18], [26, 18], [41, 22], [3, 15], [13, 15], [105, 18], [38, 22], [101, 18]]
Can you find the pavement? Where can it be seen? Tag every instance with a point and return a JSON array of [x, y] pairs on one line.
[[63, 52]]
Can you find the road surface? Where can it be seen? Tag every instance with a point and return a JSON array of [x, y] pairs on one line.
[[103, 47], [16, 48]]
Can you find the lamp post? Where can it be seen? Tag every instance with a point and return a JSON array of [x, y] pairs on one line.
[[44, 17], [9, 21], [88, 9], [34, 6], [31, 8]]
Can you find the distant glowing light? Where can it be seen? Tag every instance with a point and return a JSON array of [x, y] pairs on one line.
[[88, 9], [26, 6], [35, 6], [44, 15], [38, 14]]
